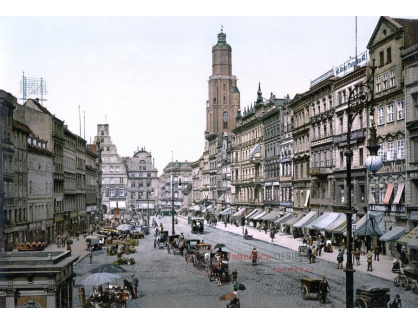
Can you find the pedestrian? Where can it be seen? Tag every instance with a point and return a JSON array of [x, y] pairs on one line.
[[340, 259], [234, 302], [324, 288], [77, 235], [314, 250], [258, 226], [357, 254], [265, 228], [304, 241], [234, 276], [135, 284], [91, 256], [272, 233], [369, 261], [219, 270], [404, 258], [376, 252], [395, 302], [309, 254], [254, 256], [162, 227], [310, 240]]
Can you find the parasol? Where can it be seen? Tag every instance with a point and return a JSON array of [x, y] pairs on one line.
[[124, 227], [228, 296], [239, 286], [219, 246], [109, 268], [100, 278]]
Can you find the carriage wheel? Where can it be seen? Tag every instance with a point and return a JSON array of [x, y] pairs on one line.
[[360, 303], [397, 281], [304, 291], [405, 283], [414, 287]]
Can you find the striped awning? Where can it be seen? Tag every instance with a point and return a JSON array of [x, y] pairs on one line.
[[254, 213], [409, 237], [239, 212], [413, 244], [258, 216], [307, 219], [393, 235], [370, 224], [225, 212], [286, 217], [330, 228], [292, 220], [320, 224]]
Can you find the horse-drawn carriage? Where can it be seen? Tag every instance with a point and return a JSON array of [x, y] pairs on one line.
[[161, 239], [204, 257], [189, 248], [372, 298], [221, 267], [173, 243], [310, 286], [197, 226], [408, 279]]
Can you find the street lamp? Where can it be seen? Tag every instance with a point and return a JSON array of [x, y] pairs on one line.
[[149, 192], [360, 97]]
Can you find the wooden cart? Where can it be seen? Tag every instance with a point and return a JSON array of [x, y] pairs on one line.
[[372, 298], [310, 286]]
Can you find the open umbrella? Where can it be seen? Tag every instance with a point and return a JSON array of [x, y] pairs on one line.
[[239, 286], [100, 278], [228, 296], [124, 227], [219, 245], [109, 268]]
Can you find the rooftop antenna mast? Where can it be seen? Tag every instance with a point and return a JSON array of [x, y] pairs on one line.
[[356, 44], [32, 86]]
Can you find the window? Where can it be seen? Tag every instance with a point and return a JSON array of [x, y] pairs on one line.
[[121, 192], [341, 158], [378, 84], [111, 169], [390, 151], [112, 181], [133, 184], [121, 180], [149, 175], [117, 169], [108, 148], [103, 191], [340, 98], [341, 124], [390, 113], [381, 194], [401, 152], [112, 192], [380, 120], [148, 183], [381, 59], [400, 110], [225, 120], [140, 184], [139, 195], [132, 195], [392, 79], [385, 81], [373, 195], [102, 140], [388, 55], [380, 152], [360, 153]]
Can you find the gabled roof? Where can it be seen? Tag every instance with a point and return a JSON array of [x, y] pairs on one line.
[[38, 105], [411, 30], [23, 127]]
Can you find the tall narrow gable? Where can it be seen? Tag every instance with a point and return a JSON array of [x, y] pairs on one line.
[[386, 29]]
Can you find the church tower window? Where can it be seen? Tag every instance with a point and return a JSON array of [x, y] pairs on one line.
[[225, 120]]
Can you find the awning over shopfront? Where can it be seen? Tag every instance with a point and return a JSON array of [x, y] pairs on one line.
[[293, 220], [389, 191], [308, 193], [338, 226], [112, 204], [370, 224], [254, 213], [307, 219], [286, 217], [270, 217], [258, 216], [413, 244], [225, 212], [145, 206], [239, 213], [321, 224], [398, 193], [196, 208], [393, 235], [412, 235]]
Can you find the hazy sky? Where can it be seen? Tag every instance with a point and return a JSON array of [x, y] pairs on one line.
[[149, 75]]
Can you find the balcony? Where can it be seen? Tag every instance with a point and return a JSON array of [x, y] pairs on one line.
[[356, 136], [255, 159], [321, 171], [285, 178], [286, 203]]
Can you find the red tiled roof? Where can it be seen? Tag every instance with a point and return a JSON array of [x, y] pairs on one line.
[[411, 30], [23, 127]]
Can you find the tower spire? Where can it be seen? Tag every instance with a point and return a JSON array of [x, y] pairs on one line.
[[259, 95]]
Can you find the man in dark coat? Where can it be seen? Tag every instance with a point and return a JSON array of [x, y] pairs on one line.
[[324, 288], [309, 254], [340, 259], [376, 252]]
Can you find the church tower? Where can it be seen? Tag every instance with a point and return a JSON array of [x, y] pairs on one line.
[[224, 97]]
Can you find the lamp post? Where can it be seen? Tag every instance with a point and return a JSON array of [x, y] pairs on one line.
[[360, 97], [149, 192]]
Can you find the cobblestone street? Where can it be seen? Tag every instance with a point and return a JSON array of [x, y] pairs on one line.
[[166, 280]]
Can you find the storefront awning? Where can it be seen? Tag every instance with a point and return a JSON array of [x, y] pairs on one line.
[[225, 212], [398, 193], [393, 235], [273, 215], [284, 218], [196, 208], [330, 228], [388, 194], [254, 213], [293, 220], [370, 224], [308, 192], [258, 216], [145, 206], [239, 212], [321, 222], [307, 219], [412, 235], [413, 244], [112, 204]]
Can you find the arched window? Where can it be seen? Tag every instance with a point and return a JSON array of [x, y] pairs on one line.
[[225, 120]]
